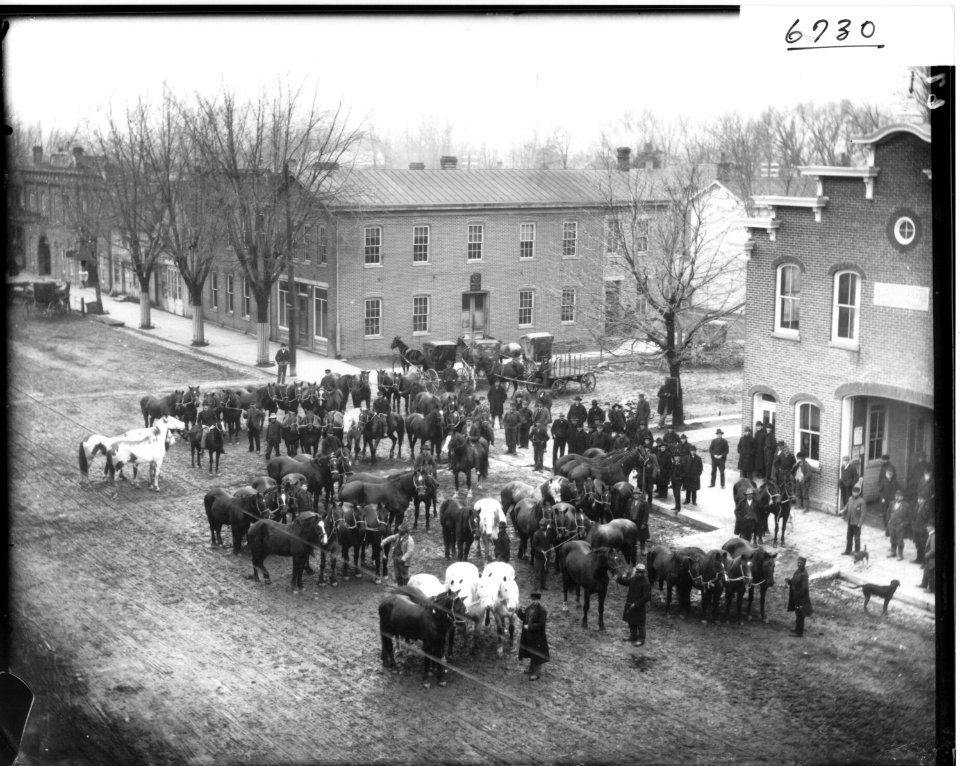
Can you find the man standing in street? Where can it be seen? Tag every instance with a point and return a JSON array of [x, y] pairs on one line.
[[497, 396], [533, 636], [617, 419], [274, 435], [501, 546], [526, 420], [511, 428], [856, 512], [849, 476], [402, 548], [802, 474], [635, 608], [888, 485], [577, 443], [719, 449], [799, 601], [539, 439], [643, 412], [595, 415], [254, 426], [539, 546], [282, 359], [930, 560], [560, 431], [745, 448], [577, 414], [759, 438], [665, 401]]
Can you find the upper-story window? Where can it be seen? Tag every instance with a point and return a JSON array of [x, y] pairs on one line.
[[44, 210], [643, 235], [421, 244], [569, 239], [905, 230], [372, 236], [614, 239], [788, 299], [475, 242], [846, 307], [320, 235], [568, 304], [246, 297], [528, 235]]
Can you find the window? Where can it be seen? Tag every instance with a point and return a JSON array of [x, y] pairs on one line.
[[808, 431], [643, 236], [371, 246], [32, 198], [214, 291], [175, 283], [421, 244], [877, 433], [528, 233], [320, 301], [372, 309], [246, 297], [230, 293], [321, 236], [283, 305], [421, 313], [846, 307], [904, 230], [475, 242], [569, 239], [788, 299], [568, 304], [43, 204], [613, 236], [526, 307]]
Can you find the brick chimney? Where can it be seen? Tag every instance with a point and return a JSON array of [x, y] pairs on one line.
[[417, 166], [623, 158], [78, 151], [448, 162], [37, 155], [724, 169]]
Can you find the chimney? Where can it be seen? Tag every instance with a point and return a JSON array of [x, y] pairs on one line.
[[37, 155], [724, 169], [78, 151], [448, 162], [417, 166], [623, 158]]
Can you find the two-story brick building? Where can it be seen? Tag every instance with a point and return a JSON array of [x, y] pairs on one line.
[[839, 313]]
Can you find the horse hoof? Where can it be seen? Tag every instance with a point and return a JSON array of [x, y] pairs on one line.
[[426, 684], [441, 683]]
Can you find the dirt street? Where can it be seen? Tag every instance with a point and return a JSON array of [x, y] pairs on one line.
[[145, 645]]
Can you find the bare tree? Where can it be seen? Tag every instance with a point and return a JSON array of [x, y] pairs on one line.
[[277, 163], [136, 201], [668, 239], [88, 211]]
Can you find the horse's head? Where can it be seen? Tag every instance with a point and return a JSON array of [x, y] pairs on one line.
[[473, 522], [173, 423], [397, 343]]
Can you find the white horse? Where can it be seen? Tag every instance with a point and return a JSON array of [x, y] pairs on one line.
[[151, 450], [491, 514], [463, 578], [98, 443], [427, 584], [500, 596]]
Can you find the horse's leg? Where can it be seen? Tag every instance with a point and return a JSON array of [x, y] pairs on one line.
[[763, 603]]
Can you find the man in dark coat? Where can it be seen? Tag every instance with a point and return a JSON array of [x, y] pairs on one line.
[[511, 428], [617, 418], [497, 396], [719, 449], [523, 432], [692, 469], [925, 513], [856, 512], [670, 437], [539, 438], [274, 435], [282, 358], [577, 414], [747, 507], [914, 475], [745, 448], [560, 432], [769, 451], [665, 460], [930, 560], [449, 377], [643, 411], [799, 601], [601, 439], [577, 441], [759, 439], [533, 636], [635, 607], [676, 478], [254, 426], [900, 524], [501, 546], [665, 401], [595, 415], [539, 547], [541, 414], [888, 485], [849, 476], [802, 475]]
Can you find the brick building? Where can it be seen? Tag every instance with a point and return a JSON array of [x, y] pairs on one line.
[[839, 313]]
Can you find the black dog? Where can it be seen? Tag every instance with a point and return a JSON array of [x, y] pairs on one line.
[[881, 591]]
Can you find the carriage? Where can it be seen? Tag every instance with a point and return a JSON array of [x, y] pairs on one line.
[[436, 355], [544, 370]]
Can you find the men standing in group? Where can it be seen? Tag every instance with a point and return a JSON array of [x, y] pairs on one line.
[[577, 414], [595, 416], [799, 601], [643, 412], [719, 449], [856, 512], [745, 451], [635, 607], [849, 476], [511, 428], [282, 358], [692, 470], [533, 636], [254, 417], [539, 547], [497, 396], [274, 435], [560, 432]]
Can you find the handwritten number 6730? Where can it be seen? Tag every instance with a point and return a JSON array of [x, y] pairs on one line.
[[820, 27]]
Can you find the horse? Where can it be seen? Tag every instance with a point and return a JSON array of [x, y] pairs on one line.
[[408, 356], [362, 527], [526, 521], [238, 511], [678, 568], [490, 515], [762, 568], [774, 501], [407, 613], [558, 489], [373, 428], [710, 581], [263, 483], [230, 413], [512, 371], [388, 387], [296, 539], [512, 493], [466, 456], [358, 387], [568, 523], [500, 597], [425, 428], [155, 407], [463, 579], [588, 568], [394, 430], [211, 441], [290, 433], [425, 491], [461, 526], [395, 492], [738, 578], [620, 534], [481, 429], [596, 501], [98, 443], [425, 402], [151, 449], [318, 473], [310, 435]]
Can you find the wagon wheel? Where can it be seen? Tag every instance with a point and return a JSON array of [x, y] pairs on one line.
[[431, 380], [588, 382], [559, 386], [534, 382]]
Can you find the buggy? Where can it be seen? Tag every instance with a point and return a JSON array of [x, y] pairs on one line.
[[436, 355]]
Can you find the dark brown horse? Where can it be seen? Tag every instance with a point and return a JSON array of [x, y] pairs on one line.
[[461, 527], [762, 565], [589, 569], [408, 356], [678, 568]]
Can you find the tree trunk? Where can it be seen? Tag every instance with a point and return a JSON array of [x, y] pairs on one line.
[[145, 310], [263, 344], [678, 402], [673, 361], [196, 302], [292, 319]]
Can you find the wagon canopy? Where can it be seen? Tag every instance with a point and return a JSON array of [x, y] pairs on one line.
[[488, 348], [537, 345], [439, 352]]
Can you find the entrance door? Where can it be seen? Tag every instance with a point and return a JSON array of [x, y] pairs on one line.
[[43, 257], [473, 316], [765, 410], [303, 315]]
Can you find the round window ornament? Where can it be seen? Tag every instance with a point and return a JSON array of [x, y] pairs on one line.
[[903, 229]]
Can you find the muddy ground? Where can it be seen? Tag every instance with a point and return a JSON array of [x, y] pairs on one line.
[[145, 645]]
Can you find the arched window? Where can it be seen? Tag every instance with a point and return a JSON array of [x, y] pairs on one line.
[[846, 307], [788, 300], [807, 431]]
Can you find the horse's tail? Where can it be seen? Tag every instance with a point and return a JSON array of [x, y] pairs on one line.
[[84, 464]]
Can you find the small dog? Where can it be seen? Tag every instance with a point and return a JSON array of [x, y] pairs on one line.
[[880, 591], [861, 556]]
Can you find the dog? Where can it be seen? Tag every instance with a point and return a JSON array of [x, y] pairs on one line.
[[861, 556], [880, 591]]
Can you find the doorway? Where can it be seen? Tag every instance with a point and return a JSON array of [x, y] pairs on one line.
[[473, 316], [43, 258]]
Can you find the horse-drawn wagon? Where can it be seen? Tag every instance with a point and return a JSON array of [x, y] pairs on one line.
[[437, 355], [557, 373], [481, 356]]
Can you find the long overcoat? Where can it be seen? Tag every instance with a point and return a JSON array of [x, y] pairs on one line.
[[533, 637], [638, 595], [800, 592]]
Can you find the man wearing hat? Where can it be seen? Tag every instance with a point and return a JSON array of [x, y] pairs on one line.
[[692, 470], [539, 552], [799, 600], [511, 427], [424, 461], [497, 396], [501, 546], [802, 474], [533, 636], [635, 607], [401, 551], [769, 450], [745, 451], [929, 560], [526, 421], [746, 508], [617, 418], [849, 476], [899, 526], [595, 415], [254, 418], [559, 432], [539, 438], [665, 398], [274, 435], [665, 461], [888, 485], [856, 512], [919, 468], [577, 442], [719, 449], [643, 411], [282, 358], [577, 414]]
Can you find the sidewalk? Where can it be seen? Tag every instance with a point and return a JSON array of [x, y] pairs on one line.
[[818, 536]]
